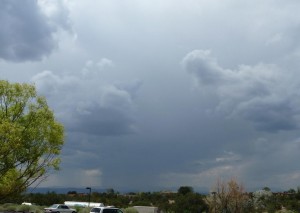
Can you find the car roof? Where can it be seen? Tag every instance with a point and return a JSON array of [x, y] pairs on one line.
[[105, 207], [56, 205]]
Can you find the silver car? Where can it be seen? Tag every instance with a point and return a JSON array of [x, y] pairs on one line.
[[59, 208]]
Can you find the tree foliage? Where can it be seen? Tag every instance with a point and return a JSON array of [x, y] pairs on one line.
[[30, 138], [228, 197], [172, 202], [189, 203], [185, 190]]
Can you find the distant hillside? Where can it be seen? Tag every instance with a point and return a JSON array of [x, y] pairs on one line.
[[65, 190], [61, 190]]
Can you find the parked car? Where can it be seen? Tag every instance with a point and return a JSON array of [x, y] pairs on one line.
[[59, 208], [106, 209]]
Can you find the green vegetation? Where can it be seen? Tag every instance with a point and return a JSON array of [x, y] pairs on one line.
[[130, 210], [40, 209], [30, 138], [231, 197], [21, 208], [227, 197]]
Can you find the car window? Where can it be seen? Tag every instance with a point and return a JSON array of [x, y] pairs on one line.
[[110, 211], [95, 210]]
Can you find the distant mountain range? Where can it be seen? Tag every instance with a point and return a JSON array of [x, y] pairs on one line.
[[62, 190], [65, 190]]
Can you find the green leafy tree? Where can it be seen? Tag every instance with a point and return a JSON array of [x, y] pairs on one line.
[[185, 190], [30, 138], [189, 203]]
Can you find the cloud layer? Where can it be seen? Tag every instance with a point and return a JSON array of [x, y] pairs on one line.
[[28, 34], [262, 94], [88, 105], [160, 94]]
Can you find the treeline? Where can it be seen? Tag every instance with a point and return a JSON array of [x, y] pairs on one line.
[[226, 197], [185, 198]]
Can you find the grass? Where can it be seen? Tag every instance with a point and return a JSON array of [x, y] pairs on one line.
[[11, 207]]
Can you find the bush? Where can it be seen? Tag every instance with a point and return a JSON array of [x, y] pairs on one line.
[[39, 211], [130, 210], [10, 207], [78, 208], [24, 208], [83, 210], [35, 209]]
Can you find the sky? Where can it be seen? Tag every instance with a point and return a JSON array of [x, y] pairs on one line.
[[160, 94]]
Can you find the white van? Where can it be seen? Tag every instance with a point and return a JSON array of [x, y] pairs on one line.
[[106, 209]]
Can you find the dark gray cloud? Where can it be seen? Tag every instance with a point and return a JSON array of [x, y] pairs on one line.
[[100, 120], [27, 33], [89, 105], [261, 94], [164, 130]]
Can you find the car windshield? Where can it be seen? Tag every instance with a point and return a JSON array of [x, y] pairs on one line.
[[111, 211], [54, 206], [95, 210]]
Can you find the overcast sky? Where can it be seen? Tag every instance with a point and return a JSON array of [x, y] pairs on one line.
[[164, 93]]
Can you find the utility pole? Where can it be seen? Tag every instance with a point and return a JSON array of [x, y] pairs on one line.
[[89, 188]]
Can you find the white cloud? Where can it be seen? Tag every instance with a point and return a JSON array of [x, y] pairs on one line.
[[93, 172], [115, 98], [228, 157], [57, 13], [92, 68], [201, 64], [105, 62]]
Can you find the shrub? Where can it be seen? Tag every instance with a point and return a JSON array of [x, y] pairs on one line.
[[78, 208], [130, 210], [83, 210], [10, 207], [39, 211], [24, 208]]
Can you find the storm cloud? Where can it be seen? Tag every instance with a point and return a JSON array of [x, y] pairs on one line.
[[262, 94], [28, 33], [87, 106], [161, 94]]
